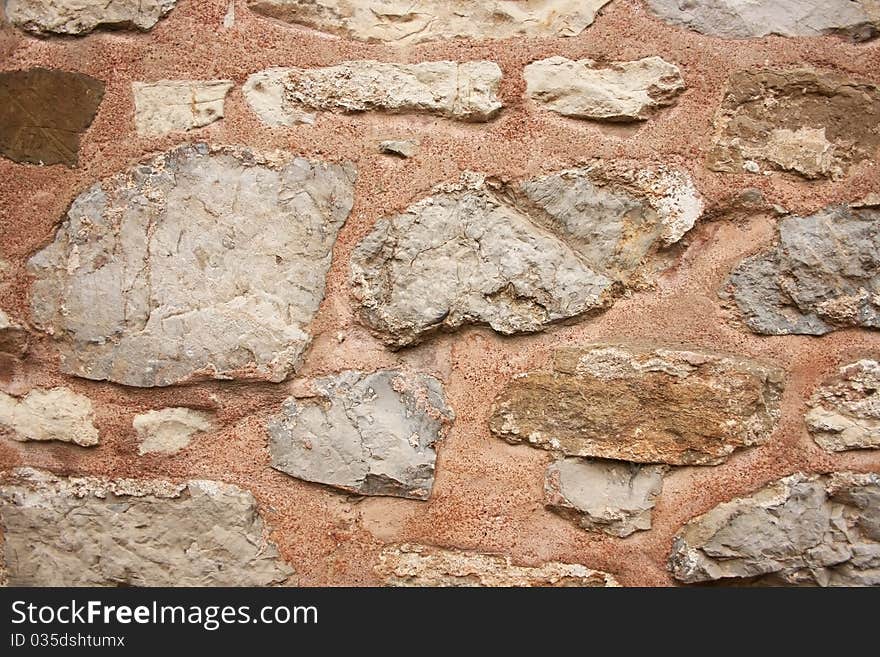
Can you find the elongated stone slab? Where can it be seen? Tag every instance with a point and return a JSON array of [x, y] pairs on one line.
[[49, 414], [78, 17]]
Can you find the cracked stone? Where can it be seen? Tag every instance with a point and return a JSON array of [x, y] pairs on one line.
[[168, 430], [845, 410], [462, 91], [821, 276], [44, 17], [43, 112], [52, 414], [801, 530], [369, 433], [800, 121], [422, 565], [592, 402], [90, 531], [619, 91], [521, 256], [178, 105], [204, 262], [13, 337]]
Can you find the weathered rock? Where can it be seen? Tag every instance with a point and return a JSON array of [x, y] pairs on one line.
[[620, 91], [43, 112], [641, 404], [88, 531], [53, 414], [407, 22], [13, 337], [845, 411], [422, 565], [616, 498], [519, 257], [808, 123], [168, 430], [83, 16], [803, 529], [369, 433], [401, 147], [741, 19], [205, 262], [824, 274], [462, 91], [177, 105]]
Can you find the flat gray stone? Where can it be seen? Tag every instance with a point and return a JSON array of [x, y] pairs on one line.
[[45, 17], [845, 410]]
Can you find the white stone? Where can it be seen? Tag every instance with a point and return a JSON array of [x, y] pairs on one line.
[[168, 430], [53, 414], [177, 105], [83, 16]]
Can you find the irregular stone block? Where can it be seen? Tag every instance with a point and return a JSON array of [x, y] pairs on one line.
[[407, 22], [615, 498], [177, 105], [845, 411], [462, 91], [168, 430], [620, 91], [204, 262], [43, 112], [741, 19], [802, 530], [53, 414], [521, 256], [592, 402], [401, 147], [81, 17], [369, 433], [422, 565], [89, 531], [13, 337], [808, 123], [824, 274]]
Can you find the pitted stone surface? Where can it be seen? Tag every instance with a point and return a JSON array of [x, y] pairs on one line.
[[52, 414], [845, 410], [82, 16], [168, 430], [178, 105]]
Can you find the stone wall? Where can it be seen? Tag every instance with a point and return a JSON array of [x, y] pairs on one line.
[[521, 292]]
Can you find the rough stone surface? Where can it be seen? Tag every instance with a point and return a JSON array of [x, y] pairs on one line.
[[620, 91], [43, 112], [421, 565], [401, 147], [168, 430], [369, 433], [845, 411], [821, 276], [177, 105], [616, 498], [13, 337], [407, 22], [53, 414], [83, 16], [741, 19], [803, 530], [201, 263], [801, 121], [86, 531], [593, 402], [518, 257], [462, 91]]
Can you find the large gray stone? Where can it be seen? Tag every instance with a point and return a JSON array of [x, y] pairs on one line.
[[803, 530], [369, 433], [845, 410], [178, 105], [204, 262], [83, 16]]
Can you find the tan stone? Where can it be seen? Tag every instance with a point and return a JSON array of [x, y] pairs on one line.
[[845, 410], [177, 105], [53, 414], [168, 430], [13, 336]]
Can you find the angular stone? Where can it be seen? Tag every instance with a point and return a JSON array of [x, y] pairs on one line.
[[407, 22], [168, 430], [177, 105], [824, 274], [463, 91], [615, 498], [845, 411], [83, 16], [90, 531], [808, 123], [619, 91], [741, 19], [43, 112], [802, 530], [521, 256], [401, 147], [13, 337], [204, 262], [53, 414], [422, 565], [369, 433], [594, 401]]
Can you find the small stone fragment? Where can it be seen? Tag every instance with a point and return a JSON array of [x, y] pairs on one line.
[[400, 147], [369, 433], [168, 430], [620, 91], [177, 105], [845, 411], [13, 337], [801, 530], [422, 565], [53, 414]]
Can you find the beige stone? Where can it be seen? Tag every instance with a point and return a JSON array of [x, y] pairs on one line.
[[168, 430], [177, 105], [52, 414], [83, 16], [13, 336], [844, 411]]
